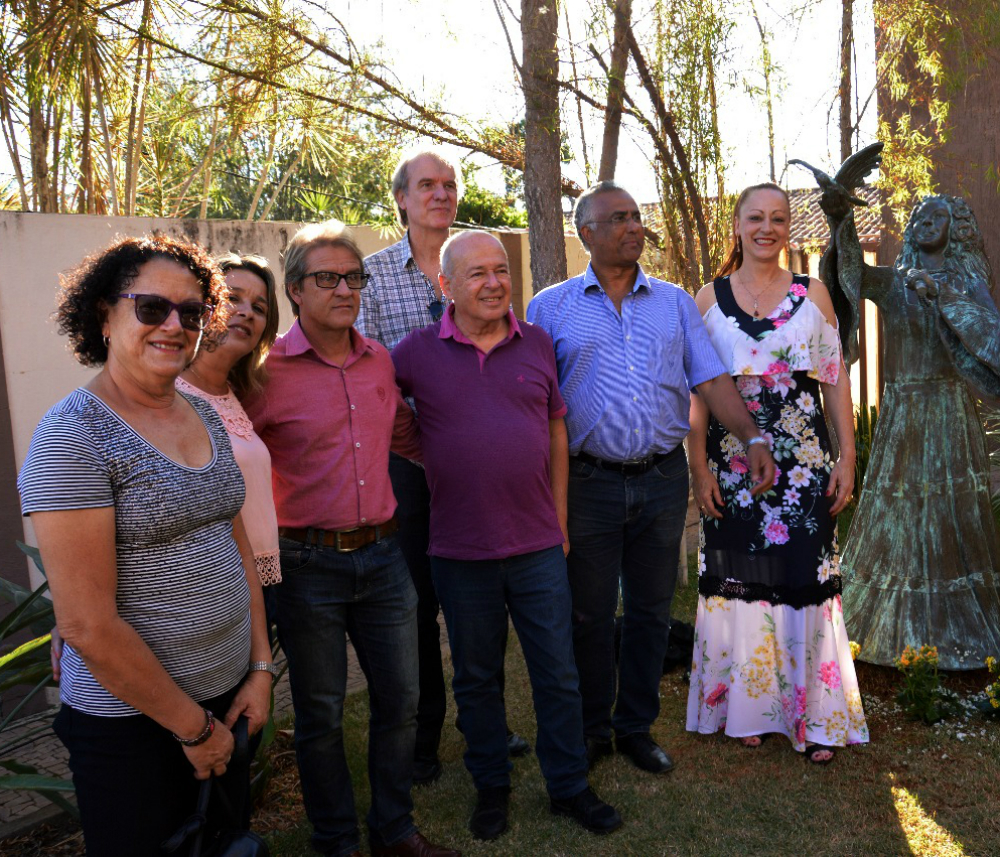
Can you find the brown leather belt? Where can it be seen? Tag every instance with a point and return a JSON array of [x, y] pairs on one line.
[[343, 541]]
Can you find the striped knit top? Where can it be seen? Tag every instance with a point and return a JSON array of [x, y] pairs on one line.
[[181, 583]]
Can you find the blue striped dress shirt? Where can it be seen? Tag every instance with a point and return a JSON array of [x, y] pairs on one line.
[[626, 379]]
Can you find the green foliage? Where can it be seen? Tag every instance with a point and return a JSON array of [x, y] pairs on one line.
[[926, 54], [26, 665], [865, 420], [482, 207], [921, 695]]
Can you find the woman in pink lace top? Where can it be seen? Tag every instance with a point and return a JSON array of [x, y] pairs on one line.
[[223, 375]]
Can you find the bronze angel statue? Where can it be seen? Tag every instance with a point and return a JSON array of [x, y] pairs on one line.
[[922, 562]]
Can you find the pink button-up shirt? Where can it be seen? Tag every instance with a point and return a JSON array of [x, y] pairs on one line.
[[329, 429]]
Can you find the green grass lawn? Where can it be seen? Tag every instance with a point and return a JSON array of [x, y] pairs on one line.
[[914, 790]]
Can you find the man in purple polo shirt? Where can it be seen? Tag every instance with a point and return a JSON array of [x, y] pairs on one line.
[[495, 449]]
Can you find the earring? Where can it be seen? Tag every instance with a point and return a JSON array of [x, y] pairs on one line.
[[107, 341]]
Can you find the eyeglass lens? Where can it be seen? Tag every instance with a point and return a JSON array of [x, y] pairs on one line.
[[331, 279], [436, 308], [154, 309]]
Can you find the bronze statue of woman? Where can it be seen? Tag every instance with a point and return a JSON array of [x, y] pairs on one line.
[[922, 562]]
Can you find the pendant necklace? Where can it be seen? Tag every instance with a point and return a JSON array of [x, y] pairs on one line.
[[756, 297]]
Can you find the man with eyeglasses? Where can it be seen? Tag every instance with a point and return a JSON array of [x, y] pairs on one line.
[[629, 349], [403, 295], [329, 413]]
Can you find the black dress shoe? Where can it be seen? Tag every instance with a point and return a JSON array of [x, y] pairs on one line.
[[517, 746], [589, 811], [644, 752], [426, 771], [597, 749], [489, 818]]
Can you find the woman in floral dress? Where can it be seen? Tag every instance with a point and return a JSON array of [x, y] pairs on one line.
[[771, 651]]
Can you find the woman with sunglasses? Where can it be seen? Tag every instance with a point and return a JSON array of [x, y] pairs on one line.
[[225, 372], [134, 496]]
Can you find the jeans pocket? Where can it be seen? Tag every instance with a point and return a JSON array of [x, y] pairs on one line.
[[673, 467], [579, 470], [295, 557]]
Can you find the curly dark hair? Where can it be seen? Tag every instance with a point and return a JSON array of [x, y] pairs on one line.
[[97, 281]]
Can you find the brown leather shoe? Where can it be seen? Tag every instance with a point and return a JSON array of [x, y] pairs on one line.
[[414, 846]]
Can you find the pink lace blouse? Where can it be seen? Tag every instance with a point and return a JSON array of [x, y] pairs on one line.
[[259, 517]]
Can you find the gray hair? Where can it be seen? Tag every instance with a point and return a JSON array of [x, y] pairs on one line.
[[329, 233], [584, 202], [401, 177], [450, 248]]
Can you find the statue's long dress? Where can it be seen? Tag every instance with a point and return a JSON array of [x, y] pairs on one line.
[[922, 561]]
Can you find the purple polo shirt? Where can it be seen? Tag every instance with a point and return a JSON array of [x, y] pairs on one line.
[[484, 427]]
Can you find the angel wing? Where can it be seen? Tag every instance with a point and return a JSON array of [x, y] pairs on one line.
[[859, 166]]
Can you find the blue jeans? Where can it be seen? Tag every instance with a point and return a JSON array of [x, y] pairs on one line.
[[325, 595], [623, 531], [475, 596]]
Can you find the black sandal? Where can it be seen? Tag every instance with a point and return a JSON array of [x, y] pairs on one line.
[[813, 749]]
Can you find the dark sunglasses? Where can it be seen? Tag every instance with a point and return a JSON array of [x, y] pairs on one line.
[[436, 308], [154, 309]]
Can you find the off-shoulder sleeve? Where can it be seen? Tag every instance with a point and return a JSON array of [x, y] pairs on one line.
[[971, 330], [806, 343]]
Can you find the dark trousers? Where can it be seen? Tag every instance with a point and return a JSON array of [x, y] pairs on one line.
[[409, 485], [323, 597], [134, 785], [476, 596], [624, 532]]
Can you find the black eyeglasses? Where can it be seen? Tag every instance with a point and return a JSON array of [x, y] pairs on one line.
[[620, 217], [436, 308], [154, 309], [356, 280]]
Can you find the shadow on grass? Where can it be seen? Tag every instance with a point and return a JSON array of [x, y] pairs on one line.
[[913, 790]]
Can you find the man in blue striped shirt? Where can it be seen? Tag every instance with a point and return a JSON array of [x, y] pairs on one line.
[[629, 349]]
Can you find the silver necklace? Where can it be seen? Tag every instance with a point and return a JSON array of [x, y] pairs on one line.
[[756, 297]]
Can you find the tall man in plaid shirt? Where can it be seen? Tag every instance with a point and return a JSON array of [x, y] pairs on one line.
[[404, 294]]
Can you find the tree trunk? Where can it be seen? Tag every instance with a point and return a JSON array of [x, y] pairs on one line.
[[579, 102], [106, 134], [542, 171], [846, 40], [141, 124], [292, 167], [10, 138], [138, 94], [766, 65], [259, 190], [616, 90]]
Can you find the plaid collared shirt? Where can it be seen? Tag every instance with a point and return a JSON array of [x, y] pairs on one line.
[[397, 297]]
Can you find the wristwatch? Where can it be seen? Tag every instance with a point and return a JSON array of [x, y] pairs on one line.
[[264, 667]]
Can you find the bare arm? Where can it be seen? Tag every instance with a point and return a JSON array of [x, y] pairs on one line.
[[837, 404], [704, 485], [725, 402], [559, 474], [78, 549], [254, 696]]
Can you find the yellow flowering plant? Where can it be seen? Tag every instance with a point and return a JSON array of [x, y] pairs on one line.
[[991, 705], [921, 694]]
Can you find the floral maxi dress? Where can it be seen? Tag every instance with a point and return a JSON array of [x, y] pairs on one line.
[[771, 652]]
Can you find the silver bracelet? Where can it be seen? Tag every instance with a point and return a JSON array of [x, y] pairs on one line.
[[264, 667], [759, 439]]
